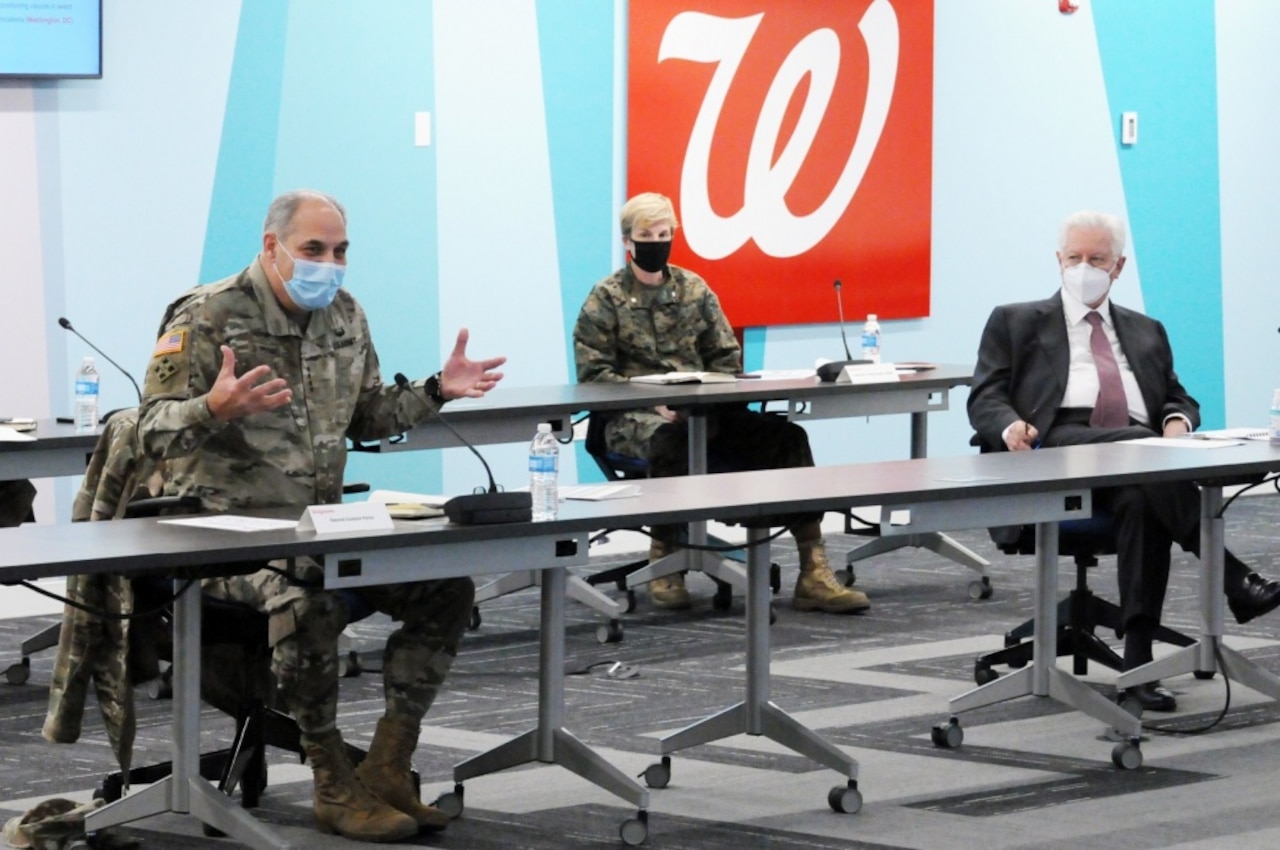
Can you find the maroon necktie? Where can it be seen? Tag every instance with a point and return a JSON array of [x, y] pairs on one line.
[[1111, 410]]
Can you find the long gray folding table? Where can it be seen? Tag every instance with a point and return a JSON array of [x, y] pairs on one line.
[[56, 450], [941, 493], [1110, 465], [412, 551], [511, 414]]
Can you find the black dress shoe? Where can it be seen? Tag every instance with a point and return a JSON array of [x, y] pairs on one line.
[[1253, 598], [1152, 697]]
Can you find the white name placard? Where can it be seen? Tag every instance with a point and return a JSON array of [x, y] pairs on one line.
[[868, 373], [350, 516]]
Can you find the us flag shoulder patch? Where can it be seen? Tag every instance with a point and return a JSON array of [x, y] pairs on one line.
[[170, 343]]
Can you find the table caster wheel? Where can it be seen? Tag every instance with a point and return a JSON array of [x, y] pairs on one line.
[[630, 607], [450, 803], [611, 633], [212, 831], [949, 735], [635, 831], [982, 673], [723, 599], [658, 775], [1203, 674], [980, 588], [474, 622], [846, 799], [1126, 756], [775, 579], [849, 577], [17, 674]]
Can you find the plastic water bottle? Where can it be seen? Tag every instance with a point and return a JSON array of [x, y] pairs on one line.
[[544, 470], [86, 397], [871, 339], [1273, 429]]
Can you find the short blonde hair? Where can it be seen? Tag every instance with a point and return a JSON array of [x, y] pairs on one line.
[[647, 208]]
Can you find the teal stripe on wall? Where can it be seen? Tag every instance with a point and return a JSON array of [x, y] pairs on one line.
[[345, 128], [1159, 60], [296, 118], [243, 183], [577, 84], [753, 340]]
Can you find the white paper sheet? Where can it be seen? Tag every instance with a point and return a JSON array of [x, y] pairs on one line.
[[234, 523], [1193, 441], [599, 492], [8, 435]]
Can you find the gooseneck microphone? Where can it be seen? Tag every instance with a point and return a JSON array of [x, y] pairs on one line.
[[829, 372], [488, 508], [66, 325], [840, 315]]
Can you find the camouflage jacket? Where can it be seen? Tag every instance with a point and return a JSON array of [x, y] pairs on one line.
[[292, 456], [113, 654], [626, 328]]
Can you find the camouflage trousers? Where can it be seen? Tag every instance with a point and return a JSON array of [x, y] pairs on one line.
[[304, 625]]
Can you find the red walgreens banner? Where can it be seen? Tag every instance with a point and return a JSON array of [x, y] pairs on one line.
[[795, 139]]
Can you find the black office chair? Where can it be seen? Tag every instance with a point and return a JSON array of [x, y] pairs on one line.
[[16, 500], [1080, 613], [237, 635]]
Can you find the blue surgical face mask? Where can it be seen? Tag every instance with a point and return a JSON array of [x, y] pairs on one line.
[[313, 285]]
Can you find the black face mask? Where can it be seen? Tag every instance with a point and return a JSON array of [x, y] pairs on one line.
[[651, 256]]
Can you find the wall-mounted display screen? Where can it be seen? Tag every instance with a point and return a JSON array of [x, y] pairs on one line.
[[50, 38]]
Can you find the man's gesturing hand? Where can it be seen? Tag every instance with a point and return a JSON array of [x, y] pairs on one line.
[[234, 398], [464, 377]]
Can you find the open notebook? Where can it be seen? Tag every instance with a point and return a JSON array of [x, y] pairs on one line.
[[686, 378], [409, 505]]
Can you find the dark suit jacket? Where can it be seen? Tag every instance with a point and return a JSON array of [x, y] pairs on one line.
[[1023, 360]]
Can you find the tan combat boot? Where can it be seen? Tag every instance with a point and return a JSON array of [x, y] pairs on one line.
[[667, 592], [817, 589], [345, 806], [386, 771]]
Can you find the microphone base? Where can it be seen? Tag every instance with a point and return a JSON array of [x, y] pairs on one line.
[[489, 508], [829, 372]]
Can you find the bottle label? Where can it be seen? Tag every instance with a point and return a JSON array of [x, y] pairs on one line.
[[86, 387], [870, 340], [542, 463]]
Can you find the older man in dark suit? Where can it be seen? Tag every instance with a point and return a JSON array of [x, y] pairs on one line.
[[1076, 368]]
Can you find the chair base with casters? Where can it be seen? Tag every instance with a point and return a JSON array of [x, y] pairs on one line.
[[942, 544], [46, 638], [1080, 614], [577, 588], [724, 567]]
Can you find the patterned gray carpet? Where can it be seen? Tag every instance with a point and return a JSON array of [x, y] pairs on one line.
[[1031, 774]]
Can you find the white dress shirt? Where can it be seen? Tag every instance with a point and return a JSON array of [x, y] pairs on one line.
[[1082, 374]]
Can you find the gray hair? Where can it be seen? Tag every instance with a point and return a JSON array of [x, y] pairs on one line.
[[280, 214], [1093, 219]]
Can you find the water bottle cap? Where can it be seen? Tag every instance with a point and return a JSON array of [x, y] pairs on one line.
[[871, 317], [544, 427], [1275, 399]]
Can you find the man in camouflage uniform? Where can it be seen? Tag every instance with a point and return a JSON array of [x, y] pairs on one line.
[[652, 317], [255, 385]]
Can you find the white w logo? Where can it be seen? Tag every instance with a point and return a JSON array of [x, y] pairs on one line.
[[764, 216]]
